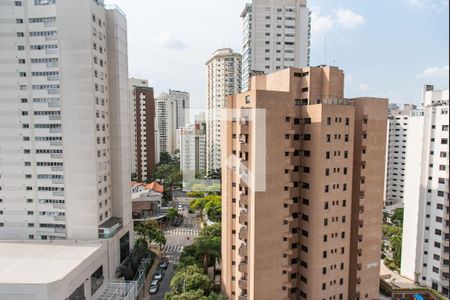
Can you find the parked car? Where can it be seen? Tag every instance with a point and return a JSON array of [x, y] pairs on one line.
[[159, 274], [177, 222], [154, 287], [164, 263]]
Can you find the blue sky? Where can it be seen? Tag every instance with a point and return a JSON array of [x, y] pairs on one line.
[[387, 48]]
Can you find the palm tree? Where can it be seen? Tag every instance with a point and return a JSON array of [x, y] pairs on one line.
[[209, 250], [172, 214]]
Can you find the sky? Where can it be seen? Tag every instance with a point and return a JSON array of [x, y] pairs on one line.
[[387, 48]]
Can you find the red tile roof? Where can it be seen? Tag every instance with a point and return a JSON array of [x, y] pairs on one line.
[[155, 187]]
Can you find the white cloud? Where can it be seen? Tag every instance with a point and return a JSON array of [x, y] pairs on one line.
[[165, 38], [338, 18], [435, 72], [417, 3], [430, 5], [364, 87], [347, 18], [321, 25]]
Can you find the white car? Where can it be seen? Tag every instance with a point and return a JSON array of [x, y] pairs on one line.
[[154, 287]]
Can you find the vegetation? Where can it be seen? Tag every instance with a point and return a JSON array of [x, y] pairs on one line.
[[150, 232], [168, 174], [392, 231], [211, 204], [191, 281], [131, 264], [397, 217], [172, 215]]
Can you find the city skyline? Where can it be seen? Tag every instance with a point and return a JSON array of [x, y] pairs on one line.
[[353, 32]]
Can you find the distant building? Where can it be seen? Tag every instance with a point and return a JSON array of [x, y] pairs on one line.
[[425, 251], [224, 79], [314, 230], [147, 201], [144, 130], [193, 149], [396, 153], [171, 114], [276, 36]]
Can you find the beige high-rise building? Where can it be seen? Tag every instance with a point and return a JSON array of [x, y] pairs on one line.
[[313, 230]]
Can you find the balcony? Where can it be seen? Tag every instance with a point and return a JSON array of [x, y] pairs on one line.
[[243, 297], [243, 233], [243, 217], [243, 283], [243, 201], [57, 169], [109, 228], [243, 267], [59, 205], [245, 129], [243, 250], [59, 218]]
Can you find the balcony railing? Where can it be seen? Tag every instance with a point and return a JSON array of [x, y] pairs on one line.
[[109, 228], [243, 233]]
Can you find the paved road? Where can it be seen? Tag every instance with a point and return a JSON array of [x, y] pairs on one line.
[[177, 239], [164, 286]]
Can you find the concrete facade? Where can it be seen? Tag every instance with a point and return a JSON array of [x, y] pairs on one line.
[[224, 79], [276, 35], [145, 131], [171, 114], [132, 83], [64, 126], [425, 255], [314, 231], [396, 153]]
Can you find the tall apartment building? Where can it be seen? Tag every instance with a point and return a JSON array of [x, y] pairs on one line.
[[425, 251], [171, 114], [314, 231], [132, 83], [193, 149], [145, 152], [276, 35], [224, 79], [64, 127], [396, 153]]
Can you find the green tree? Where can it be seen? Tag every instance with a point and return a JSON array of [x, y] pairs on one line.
[[165, 158], [210, 232], [191, 278], [397, 217], [172, 214], [151, 232], [213, 207], [209, 251], [396, 246]]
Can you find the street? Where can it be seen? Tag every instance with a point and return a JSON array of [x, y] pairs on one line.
[[164, 286], [177, 239]]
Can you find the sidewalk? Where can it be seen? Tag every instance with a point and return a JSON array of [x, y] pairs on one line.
[[145, 295]]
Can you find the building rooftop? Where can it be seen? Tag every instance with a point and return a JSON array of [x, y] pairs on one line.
[[41, 263]]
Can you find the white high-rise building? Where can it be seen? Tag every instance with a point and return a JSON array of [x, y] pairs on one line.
[[224, 79], [64, 127], [193, 148], [425, 251], [276, 36], [396, 153], [171, 114]]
